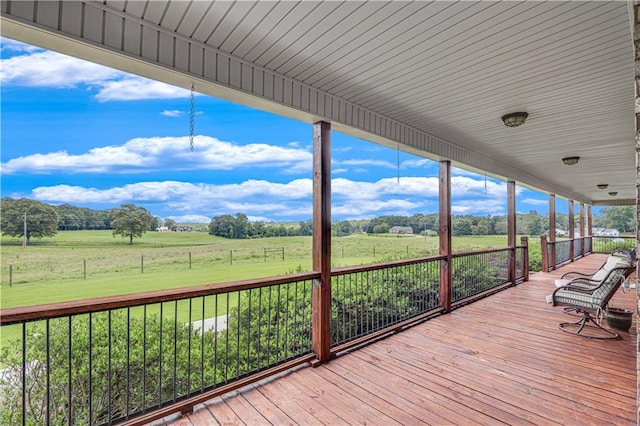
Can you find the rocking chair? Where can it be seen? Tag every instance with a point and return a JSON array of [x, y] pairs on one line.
[[590, 301]]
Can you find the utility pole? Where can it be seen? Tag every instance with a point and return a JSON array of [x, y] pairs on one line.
[[24, 222]]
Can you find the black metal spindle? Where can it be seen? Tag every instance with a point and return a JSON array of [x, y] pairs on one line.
[[202, 347], [269, 318], [238, 372], [215, 340], [144, 358], [175, 350], [48, 389], [110, 373], [260, 334], [160, 353], [249, 367], [128, 368], [90, 344], [70, 372], [24, 373], [189, 348], [286, 322]]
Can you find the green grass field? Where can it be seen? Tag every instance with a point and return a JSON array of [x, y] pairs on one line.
[[76, 265]]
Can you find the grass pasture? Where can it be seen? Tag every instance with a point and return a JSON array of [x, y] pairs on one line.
[[76, 265]]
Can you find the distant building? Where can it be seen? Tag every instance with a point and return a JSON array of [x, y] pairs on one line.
[[401, 230], [606, 232], [162, 229]]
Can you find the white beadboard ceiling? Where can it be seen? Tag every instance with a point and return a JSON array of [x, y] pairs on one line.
[[438, 68]]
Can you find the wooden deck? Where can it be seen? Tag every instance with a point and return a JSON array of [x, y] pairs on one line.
[[500, 360]]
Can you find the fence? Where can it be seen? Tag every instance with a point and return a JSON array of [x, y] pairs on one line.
[[606, 244], [557, 253], [175, 258], [140, 357]]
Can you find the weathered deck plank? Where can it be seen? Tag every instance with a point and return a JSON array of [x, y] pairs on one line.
[[500, 360]]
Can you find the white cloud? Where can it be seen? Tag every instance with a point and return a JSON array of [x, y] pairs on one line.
[[164, 153], [418, 163], [264, 199], [133, 88], [172, 113], [367, 162], [6, 44], [42, 68], [535, 202], [190, 218]]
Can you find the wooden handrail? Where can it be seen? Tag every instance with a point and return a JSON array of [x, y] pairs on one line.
[[77, 307]]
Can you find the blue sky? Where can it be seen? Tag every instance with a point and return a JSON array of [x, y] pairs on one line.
[[80, 133]]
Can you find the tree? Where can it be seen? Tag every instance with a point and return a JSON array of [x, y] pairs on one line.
[[535, 225], [461, 226], [170, 224], [222, 226], [621, 218], [130, 221], [41, 219]]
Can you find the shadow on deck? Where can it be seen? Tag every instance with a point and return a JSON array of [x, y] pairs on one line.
[[500, 360]]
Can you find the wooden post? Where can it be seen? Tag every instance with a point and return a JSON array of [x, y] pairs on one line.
[[572, 233], [636, 45], [552, 232], [582, 233], [590, 229], [445, 235], [524, 242], [511, 230], [544, 252], [321, 295]]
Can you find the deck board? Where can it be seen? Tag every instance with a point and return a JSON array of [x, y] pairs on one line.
[[500, 360]]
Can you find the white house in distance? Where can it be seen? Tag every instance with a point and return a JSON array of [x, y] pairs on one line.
[[606, 232], [401, 230]]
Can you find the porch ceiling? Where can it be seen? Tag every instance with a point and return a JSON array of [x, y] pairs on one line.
[[445, 69]]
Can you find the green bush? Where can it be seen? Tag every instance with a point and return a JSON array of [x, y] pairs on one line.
[[114, 365]]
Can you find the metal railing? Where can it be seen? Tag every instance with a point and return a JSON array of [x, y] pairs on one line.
[[578, 245], [372, 298], [562, 252], [102, 361], [140, 357], [607, 244], [475, 273]]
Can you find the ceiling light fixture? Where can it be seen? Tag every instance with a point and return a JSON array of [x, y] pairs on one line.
[[514, 119], [613, 193], [603, 185], [570, 161]]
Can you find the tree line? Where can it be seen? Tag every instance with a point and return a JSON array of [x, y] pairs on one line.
[[43, 220]]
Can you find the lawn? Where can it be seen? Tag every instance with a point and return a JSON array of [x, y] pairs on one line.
[[76, 265]]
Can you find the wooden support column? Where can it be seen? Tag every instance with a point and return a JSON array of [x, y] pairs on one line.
[[582, 232], [572, 231], [511, 229], [321, 294], [552, 231], [445, 234], [636, 45], [589, 222]]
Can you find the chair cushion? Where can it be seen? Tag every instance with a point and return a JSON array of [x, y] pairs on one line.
[[612, 262], [560, 283]]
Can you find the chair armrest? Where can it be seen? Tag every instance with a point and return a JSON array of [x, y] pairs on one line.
[[566, 274]]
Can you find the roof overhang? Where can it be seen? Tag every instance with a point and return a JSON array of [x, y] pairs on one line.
[[433, 78]]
